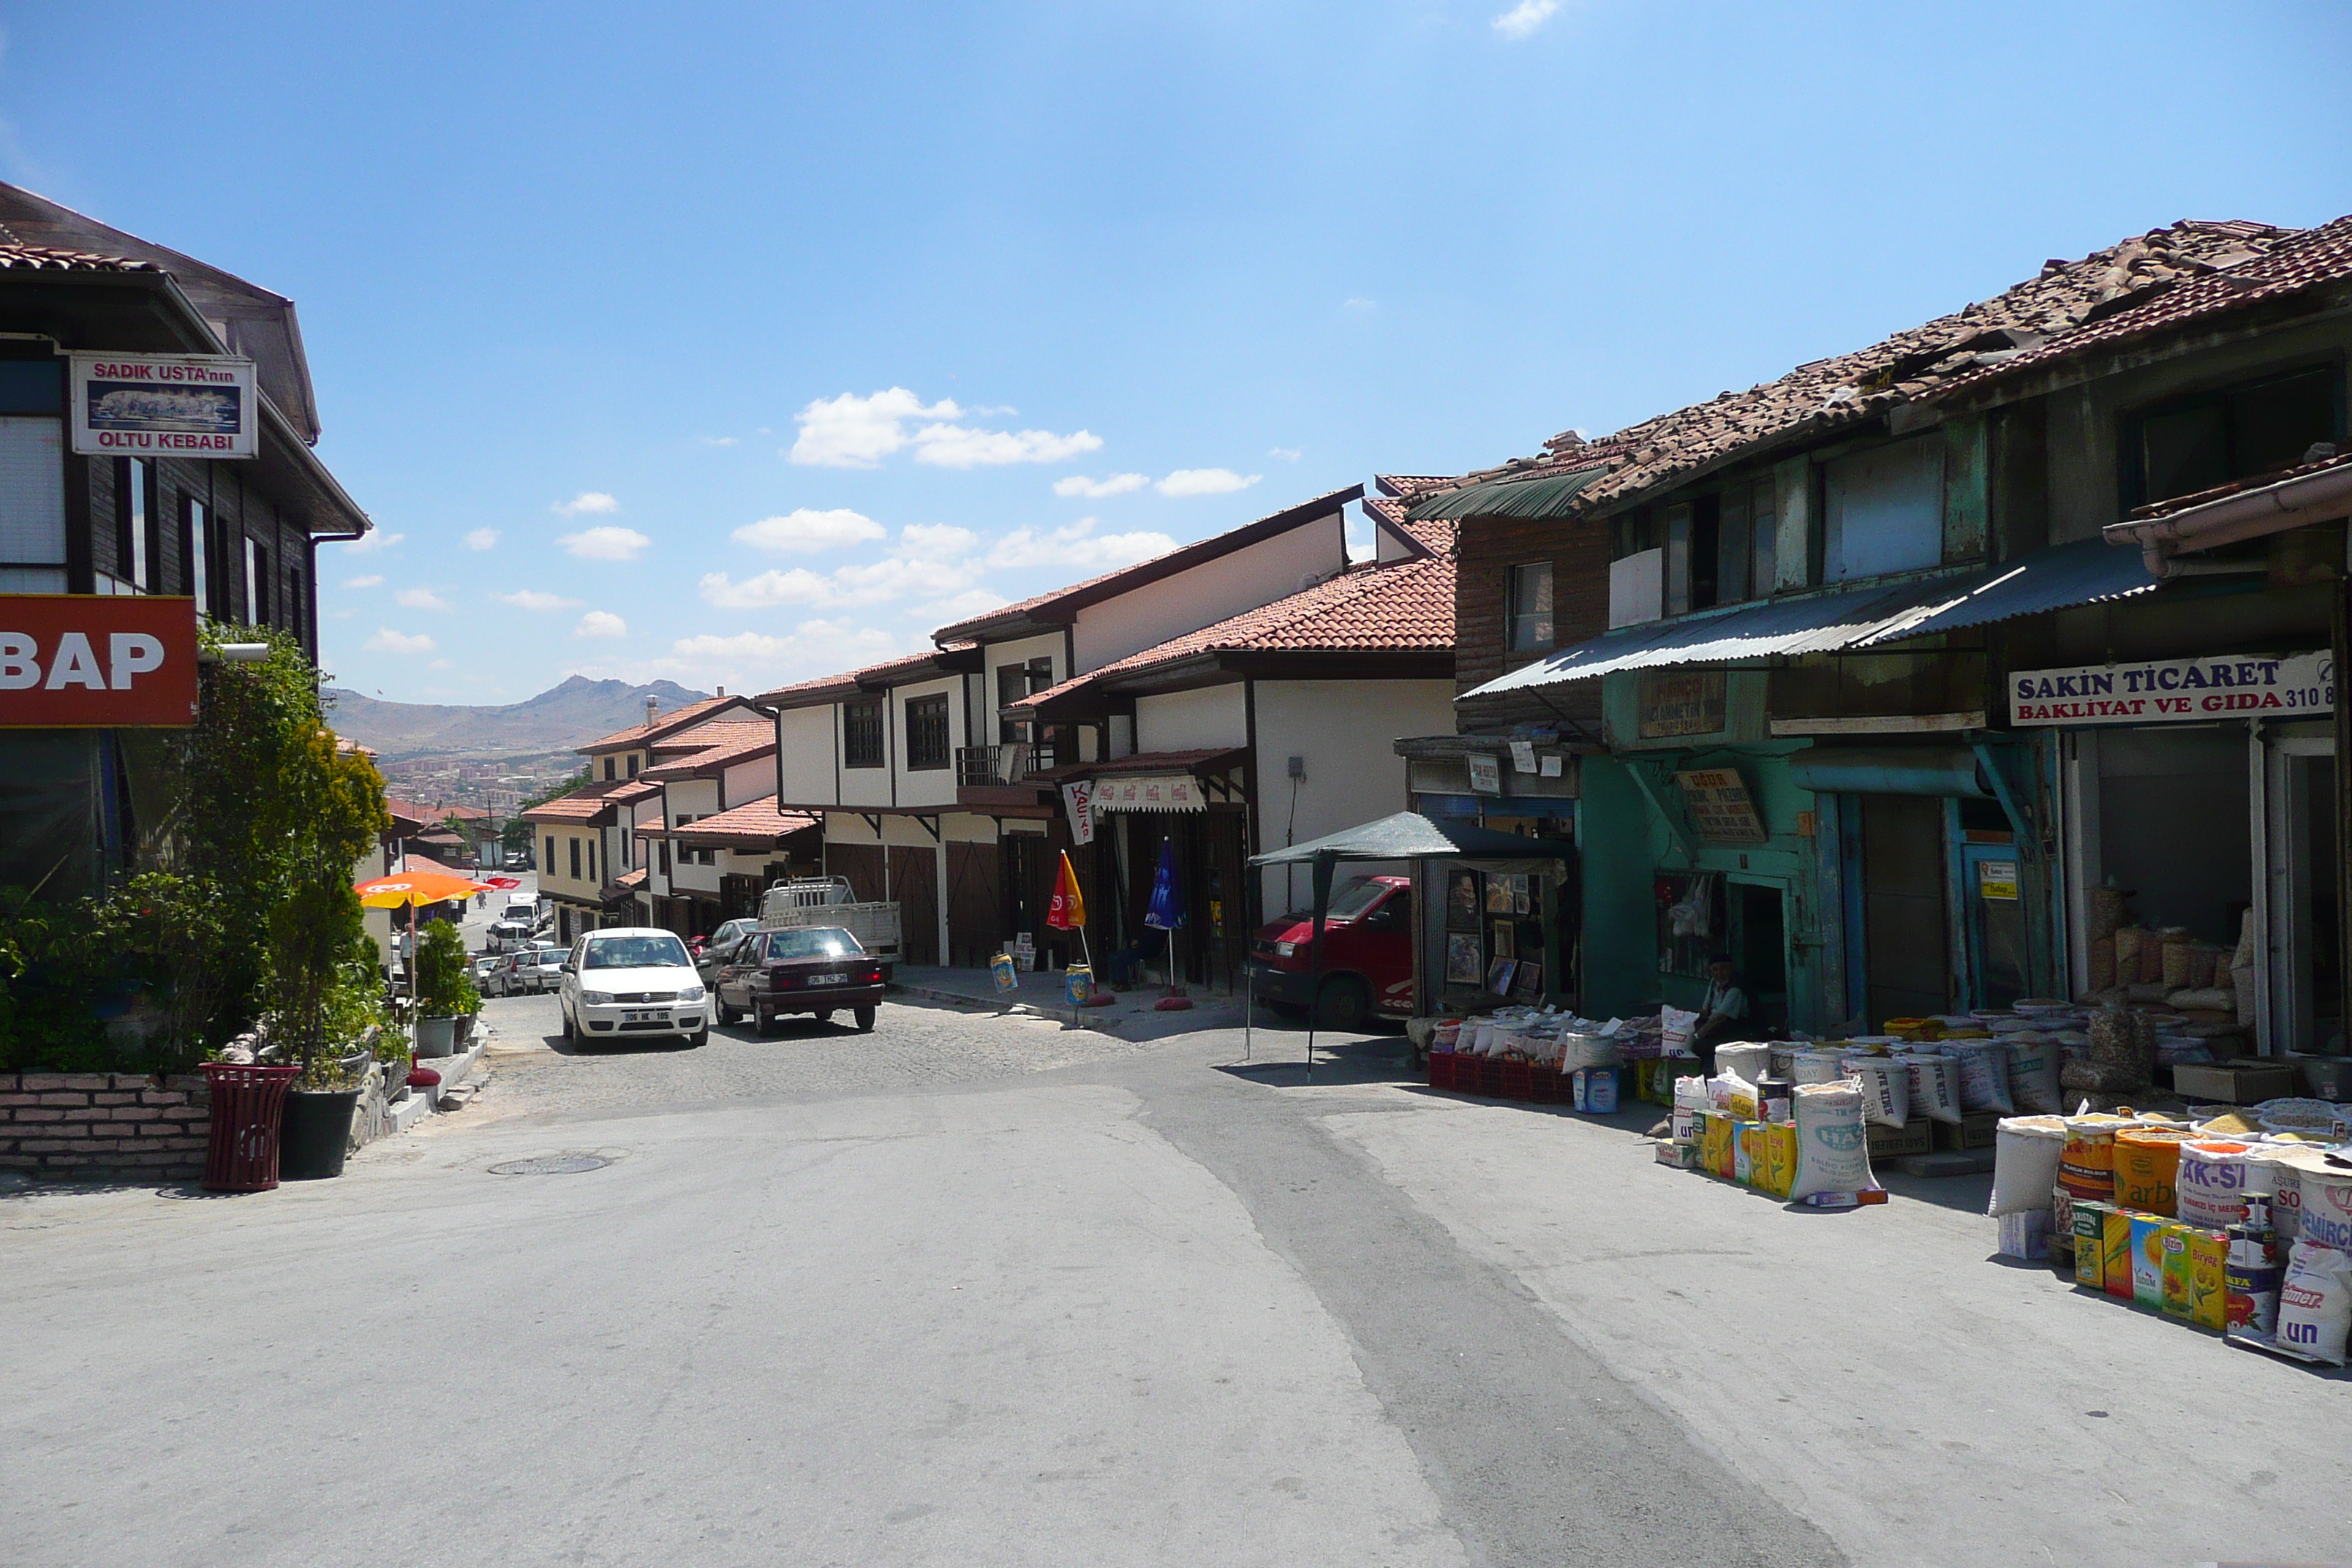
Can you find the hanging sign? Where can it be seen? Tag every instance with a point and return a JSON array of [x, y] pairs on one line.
[[96, 661], [1177, 792], [164, 406], [1485, 773], [1720, 808], [1678, 702], [1078, 800], [2177, 690]]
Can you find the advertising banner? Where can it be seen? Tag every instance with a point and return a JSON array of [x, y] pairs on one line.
[[164, 406], [1078, 800], [1166, 793], [84, 662], [2177, 690]]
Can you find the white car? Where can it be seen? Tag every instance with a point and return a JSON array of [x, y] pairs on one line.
[[532, 970], [632, 980]]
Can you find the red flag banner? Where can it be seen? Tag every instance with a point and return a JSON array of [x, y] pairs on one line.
[[1068, 910]]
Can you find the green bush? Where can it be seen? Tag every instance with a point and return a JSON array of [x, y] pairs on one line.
[[445, 980]]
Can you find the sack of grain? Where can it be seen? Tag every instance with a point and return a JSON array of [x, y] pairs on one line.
[[2314, 1315], [2103, 962], [1833, 1144], [1886, 1086], [2172, 956], [1742, 1059], [1984, 1076], [1934, 1086], [2211, 1183], [2204, 958], [2033, 1063], [2025, 1156]]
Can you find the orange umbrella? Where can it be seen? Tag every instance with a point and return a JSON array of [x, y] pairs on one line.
[[412, 889]]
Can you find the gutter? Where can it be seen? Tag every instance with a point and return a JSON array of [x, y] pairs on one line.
[[2322, 497]]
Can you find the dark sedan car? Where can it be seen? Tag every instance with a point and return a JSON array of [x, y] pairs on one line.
[[807, 969]]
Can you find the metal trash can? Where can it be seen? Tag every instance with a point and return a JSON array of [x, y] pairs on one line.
[[248, 1105]]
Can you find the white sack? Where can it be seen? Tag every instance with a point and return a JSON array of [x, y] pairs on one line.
[[2025, 1164]]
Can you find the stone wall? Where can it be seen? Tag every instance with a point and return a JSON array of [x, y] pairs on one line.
[[101, 1126]]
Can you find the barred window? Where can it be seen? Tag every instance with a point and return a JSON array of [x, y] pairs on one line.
[[861, 734], [927, 733]]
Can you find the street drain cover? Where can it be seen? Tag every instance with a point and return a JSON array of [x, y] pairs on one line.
[[552, 1165]]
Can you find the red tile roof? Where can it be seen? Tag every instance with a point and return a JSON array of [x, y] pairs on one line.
[[663, 724], [2235, 487], [50, 258], [740, 749], [586, 804], [1403, 607], [757, 823], [717, 733], [2069, 305], [872, 678]]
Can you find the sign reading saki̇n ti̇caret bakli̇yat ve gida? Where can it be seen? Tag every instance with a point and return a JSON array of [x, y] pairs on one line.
[[1720, 808], [2177, 690]]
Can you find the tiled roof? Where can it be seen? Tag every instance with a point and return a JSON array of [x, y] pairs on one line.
[[1403, 607], [2251, 482], [626, 791], [738, 750], [662, 724], [2068, 305], [871, 677], [1066, 601], [49, 258], [1436, 535], [757, 823], [628, 881], [717, 733], [586, 804]]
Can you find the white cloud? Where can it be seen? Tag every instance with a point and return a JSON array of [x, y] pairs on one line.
[[532, 599], [1357, 302], [1287, 454], [422, 599], [374, 540], [716, 440], [1095, 490], [371, 580], [854, 432], [1525, 17], [801, 531], [936, 541], [752, 661], [798, 586], [588, 501], [441, 664], [963, 606], [386, 640], [1077, 545], [872, 582], [959, 446], [601, 623], [606, 543], [1204, 482], [482, 539]]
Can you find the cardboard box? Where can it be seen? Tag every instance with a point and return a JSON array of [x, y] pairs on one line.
[[1915, 1136], [1774, 1165], [1977, 1130], [2115, 1252], [2246, 1082], [2090, 1244], [1681, 1156]]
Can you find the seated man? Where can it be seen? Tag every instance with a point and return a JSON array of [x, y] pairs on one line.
[[1721, 1015]]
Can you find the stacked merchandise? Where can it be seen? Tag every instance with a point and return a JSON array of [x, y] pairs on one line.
[[1940, 1082], [1540, 1055], [1798, 1142], [2204, 991], [2238, 1221]]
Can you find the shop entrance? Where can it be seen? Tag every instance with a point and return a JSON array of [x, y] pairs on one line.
[[1993, 895], [2305, 924], [1760, 949], [1905, 941]]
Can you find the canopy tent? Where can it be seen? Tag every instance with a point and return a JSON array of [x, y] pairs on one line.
[[1407, 836]]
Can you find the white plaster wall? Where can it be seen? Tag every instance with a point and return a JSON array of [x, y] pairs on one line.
[[870, 786], [749, 781], [1192, 721], [1209, 593], [1345, 730], [848, 827], [963, 828], [1021, 651], [805, 747], [930, 786]]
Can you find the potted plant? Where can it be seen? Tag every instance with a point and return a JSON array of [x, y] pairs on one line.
[[445, 991]]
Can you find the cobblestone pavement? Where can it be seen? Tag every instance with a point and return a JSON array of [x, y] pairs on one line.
[[529, 1070]]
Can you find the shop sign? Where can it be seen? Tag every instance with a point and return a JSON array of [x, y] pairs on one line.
[[165, 405], [2177, 690], [1175, 793], [96, 661], [1523, 756], [1996, 879], [1720, 808], [1485, 773], [1078, 800], [1678, 702]]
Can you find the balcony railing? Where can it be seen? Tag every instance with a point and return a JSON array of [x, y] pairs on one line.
[[1006, 764]]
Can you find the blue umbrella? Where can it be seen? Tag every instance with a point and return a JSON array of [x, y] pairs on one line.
[[1166, 910]]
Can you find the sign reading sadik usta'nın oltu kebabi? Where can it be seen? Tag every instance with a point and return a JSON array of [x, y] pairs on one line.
[[2177, 690]]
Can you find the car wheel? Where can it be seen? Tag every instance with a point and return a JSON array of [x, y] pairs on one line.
[[1346, 1004], [865, 1017], [826, 1015], [760, 1019], [571, 1024], [727, 1014], [699, 1038]]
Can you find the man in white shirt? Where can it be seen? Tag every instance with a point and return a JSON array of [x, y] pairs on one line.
[[1722, 1014]]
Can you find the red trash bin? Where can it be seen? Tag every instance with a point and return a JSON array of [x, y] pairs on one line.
[[249, 1103]]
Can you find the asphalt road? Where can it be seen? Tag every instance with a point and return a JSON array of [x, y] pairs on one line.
[[978, 1290]]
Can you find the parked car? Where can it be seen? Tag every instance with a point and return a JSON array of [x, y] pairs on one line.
[[1367, 954], [819, 970], [486, 969], [633, 980], [530, 971], [721, 945], [505, 935]]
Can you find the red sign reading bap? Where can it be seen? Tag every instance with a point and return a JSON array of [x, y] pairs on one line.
[[80, 661]]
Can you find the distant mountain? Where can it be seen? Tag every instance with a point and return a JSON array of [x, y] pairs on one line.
[[556, 719]]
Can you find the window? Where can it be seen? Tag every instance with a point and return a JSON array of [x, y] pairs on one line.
[[1882, 511], [662, 951], [32, 506], [861, 734], [257, 584], [575, 859], [1529, 592], [1747, 550], [198, 572], [548, 865], [632, 764], [1012, 685], [1041, 673], [2195, 443], [592, 859], [608, 768], [132, 476], [927, 733]]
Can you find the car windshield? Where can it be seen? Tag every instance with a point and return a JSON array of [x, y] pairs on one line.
[[1352, 898], [635, 952], [814, 941]]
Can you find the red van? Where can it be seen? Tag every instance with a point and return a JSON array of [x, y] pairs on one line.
[[1367, 954]]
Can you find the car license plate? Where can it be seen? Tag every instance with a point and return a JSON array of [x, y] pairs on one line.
[[828, 979], [645, 1017]]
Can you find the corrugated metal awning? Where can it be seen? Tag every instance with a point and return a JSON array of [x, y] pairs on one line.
[[1552, 494], [2084, 572]]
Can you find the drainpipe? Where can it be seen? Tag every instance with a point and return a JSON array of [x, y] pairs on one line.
[[2322, 497]]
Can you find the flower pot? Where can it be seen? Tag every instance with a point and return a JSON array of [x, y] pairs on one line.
[[317, 1133], [246, 1104], [435, 1036]]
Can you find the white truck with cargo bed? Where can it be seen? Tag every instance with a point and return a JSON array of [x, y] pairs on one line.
[[829, 901]]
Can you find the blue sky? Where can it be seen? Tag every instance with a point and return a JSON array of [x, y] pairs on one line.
[[744, 343]]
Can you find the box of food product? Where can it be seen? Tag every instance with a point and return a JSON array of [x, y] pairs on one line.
[[1977, 1130], [2090, 1243], [1681, 1156], [2209, 1278], [2147, 1259], [2024, 1235], [1917, 1136], [2172, 1267], [1774, 1167], [2245, 1082], [1715, 1144], [2115, 1253]]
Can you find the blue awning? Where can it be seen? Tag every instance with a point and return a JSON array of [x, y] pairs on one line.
[[2084, 572]]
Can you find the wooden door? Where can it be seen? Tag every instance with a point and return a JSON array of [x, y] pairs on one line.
[[914, 883], [975, 911], [1906, 935]]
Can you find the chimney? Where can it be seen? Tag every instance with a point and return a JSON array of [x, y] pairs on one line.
[[653, 709], [722, 690]]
